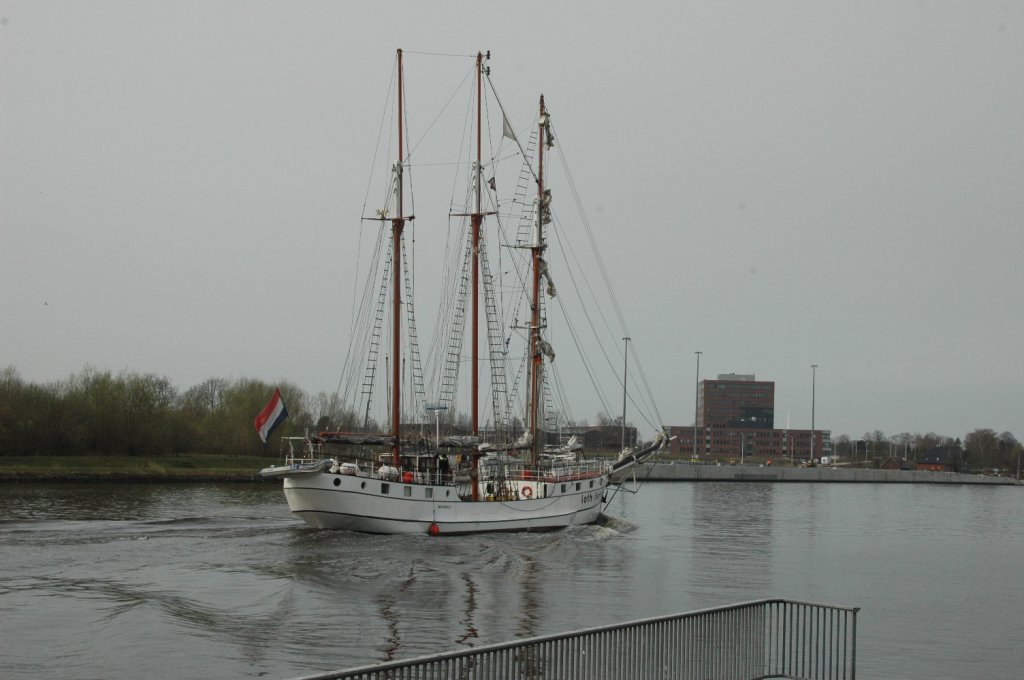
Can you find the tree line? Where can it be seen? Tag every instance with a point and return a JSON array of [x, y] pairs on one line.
[[96, 412], [981, 449]]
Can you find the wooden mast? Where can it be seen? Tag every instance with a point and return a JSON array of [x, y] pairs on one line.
[[476, 217], [475, 220], [397, 224], [537, 247]]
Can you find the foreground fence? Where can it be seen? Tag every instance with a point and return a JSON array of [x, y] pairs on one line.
[[761, 639]]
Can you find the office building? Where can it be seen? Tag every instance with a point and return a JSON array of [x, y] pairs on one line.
[[736, 420]]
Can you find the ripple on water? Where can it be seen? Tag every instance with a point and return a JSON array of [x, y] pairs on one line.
[[219, 582]]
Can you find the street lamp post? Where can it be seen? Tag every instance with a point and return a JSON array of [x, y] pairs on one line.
[[437, 422], [696, 399], [625, 368], [814, 371]]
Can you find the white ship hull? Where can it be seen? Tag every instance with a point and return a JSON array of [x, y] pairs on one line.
[[375, 505]]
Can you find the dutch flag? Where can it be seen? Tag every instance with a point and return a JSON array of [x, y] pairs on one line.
[[271, 416]]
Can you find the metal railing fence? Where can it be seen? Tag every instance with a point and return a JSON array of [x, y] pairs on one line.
[[748, 641]]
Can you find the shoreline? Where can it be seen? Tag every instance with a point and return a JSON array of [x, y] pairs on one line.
[[650, 476], [99, 468], [659, 471], [18, 477], [675, 471]]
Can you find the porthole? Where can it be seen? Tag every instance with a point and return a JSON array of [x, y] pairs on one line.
[[448, 492], [337, 482], [362, 485]]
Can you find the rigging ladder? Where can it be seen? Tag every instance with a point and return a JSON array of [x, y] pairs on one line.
[[419, 393], [456, 333], [375, 338], [497, 352]]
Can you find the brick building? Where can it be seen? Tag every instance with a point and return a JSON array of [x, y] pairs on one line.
[[736, 419], [608, 437], [738, 401], [935, 459]]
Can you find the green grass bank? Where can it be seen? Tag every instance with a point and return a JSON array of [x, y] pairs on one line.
[[175, 468]]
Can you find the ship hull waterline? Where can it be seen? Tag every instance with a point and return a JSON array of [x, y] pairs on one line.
[[373, 505]]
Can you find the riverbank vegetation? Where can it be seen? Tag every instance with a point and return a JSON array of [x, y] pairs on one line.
[[101, 414], [982, 449], [172, 467], [100, 422]]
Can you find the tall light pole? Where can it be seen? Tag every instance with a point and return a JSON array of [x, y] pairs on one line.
[[437, 422], [696, 399], [625, 367], [814, 371]]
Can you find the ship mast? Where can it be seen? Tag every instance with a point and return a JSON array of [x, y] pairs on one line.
[[476, 218], [397, 225], [537, 248]]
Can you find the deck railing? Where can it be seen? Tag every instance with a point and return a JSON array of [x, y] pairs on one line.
[[748, 641], [567, 472]]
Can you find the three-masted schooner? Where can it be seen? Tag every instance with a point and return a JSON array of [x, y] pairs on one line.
[[474, 485]]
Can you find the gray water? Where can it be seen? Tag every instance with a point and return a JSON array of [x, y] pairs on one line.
[[181, 581]]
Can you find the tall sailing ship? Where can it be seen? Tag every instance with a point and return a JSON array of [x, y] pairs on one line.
[[513, 473]]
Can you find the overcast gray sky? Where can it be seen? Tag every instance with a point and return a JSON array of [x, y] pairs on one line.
[[781, 184]]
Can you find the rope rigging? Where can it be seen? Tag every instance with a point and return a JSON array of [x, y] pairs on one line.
[[505, 291]]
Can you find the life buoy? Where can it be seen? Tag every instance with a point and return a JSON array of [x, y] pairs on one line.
[[527, 492]]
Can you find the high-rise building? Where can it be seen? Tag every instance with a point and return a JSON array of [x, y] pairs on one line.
[[736, 400], [736, 419]]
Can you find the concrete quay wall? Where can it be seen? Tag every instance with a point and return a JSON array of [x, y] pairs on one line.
[[689, 472]]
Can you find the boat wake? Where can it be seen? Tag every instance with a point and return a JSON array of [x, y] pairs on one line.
[[610, 527]]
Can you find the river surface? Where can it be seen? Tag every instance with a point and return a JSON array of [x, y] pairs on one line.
[[179, 581]]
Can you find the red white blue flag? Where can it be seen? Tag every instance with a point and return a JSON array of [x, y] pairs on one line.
[[271, 416]]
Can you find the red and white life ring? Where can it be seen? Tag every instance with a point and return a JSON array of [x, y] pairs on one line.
[[527, 492]]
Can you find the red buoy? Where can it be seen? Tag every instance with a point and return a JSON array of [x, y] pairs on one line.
[[434, 529]]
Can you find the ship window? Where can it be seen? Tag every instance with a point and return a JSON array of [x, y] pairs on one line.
[[337, 482], [362, 485], [429, 492], [385, 488], [448, 492], [407, 491], [591, 483], [577, 486], [563, 488]]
